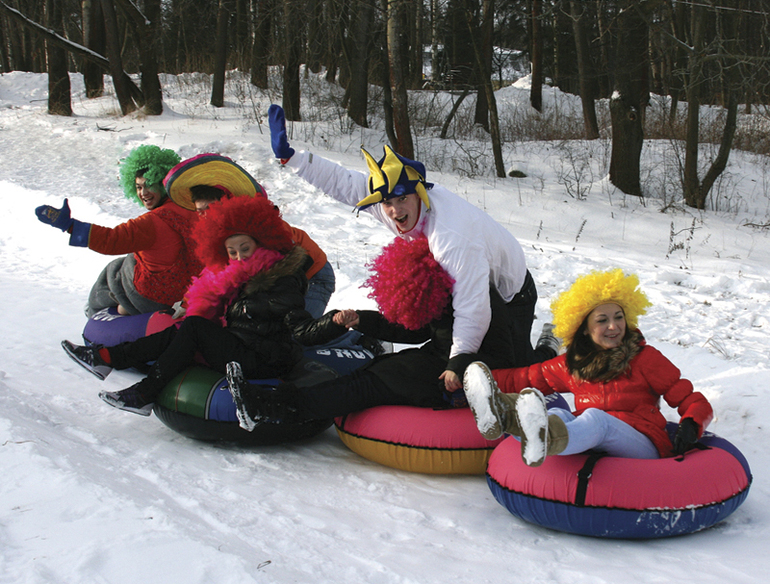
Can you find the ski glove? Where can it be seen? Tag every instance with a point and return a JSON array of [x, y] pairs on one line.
[[686, 436], [59, 218], [278, 140]]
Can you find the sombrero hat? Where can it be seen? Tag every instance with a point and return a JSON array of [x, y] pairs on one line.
[[209, 169]]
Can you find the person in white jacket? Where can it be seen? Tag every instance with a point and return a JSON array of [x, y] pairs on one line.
[[480, 255]]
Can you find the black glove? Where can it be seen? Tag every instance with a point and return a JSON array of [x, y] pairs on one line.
[[278, 140], [57, 217], [686, 436]]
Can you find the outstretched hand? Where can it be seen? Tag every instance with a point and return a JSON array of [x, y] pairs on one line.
[[278, 140], [686, 436], [59, 218]]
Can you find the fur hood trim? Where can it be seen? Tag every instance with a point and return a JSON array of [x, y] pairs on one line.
[[212, 292], [611, 363]]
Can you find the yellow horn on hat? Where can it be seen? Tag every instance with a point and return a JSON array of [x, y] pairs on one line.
[[392, 167], [376, 181], [412, 174]]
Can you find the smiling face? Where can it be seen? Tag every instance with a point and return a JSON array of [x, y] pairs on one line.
[[150, 195], [240, 247], [606, 325], [404, 210]]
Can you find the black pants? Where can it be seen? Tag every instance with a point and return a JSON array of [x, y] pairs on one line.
[[353, 392], [521, 313], [173, 350]]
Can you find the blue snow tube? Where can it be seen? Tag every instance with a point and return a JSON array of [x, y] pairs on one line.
[[624, 498]]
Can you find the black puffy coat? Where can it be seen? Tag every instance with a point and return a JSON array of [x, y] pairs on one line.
[[269, 313]]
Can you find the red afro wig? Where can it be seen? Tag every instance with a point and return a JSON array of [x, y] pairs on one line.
[[408, 284], [255, 217]]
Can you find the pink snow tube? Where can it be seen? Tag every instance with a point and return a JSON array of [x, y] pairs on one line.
[[626, 498], [418, 439]]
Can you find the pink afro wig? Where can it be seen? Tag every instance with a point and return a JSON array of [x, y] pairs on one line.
[[408, 284], [255, 217]]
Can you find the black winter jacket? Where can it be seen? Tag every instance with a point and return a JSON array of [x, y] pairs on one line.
[[269, 313]]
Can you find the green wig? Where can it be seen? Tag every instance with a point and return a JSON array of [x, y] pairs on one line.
[[149, 161]]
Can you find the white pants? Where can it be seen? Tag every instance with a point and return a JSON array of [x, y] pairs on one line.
[[597, 430]]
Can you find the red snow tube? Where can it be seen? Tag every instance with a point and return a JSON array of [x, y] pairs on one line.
[[421, 439], [625, 498]]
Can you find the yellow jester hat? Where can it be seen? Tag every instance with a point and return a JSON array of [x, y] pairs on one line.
[[572, 306], [394, 176]]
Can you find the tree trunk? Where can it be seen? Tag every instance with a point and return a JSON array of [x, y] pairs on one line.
[[536, 54], [220, 53], [695, 191], [93, 38], [629, 99], [582, 50], [59, 100], [293, 41], [360, 33], [119, 79], [482, 114], [486, 77], [315, 34], [404, 144], [261, 49], [691, 182], [146, 29]]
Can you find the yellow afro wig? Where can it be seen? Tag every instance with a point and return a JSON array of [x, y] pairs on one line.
[[572, 306]]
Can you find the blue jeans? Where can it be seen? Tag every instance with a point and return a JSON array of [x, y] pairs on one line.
[[320, 288], [595, 429]]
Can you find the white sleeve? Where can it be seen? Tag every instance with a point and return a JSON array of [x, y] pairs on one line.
[[341, 184]]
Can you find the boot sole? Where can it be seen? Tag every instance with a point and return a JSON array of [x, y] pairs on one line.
[[532, 417], [235, 382], [480, 388]]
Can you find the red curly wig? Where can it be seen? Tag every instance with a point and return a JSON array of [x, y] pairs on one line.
[[408, 284], [253, 216]]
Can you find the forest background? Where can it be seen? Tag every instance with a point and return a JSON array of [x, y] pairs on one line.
[[393, 58]]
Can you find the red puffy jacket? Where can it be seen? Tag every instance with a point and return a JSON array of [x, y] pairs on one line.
[[633, 396], [162, 243]]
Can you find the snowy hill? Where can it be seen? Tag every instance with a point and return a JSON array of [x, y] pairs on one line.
[[92, 494]]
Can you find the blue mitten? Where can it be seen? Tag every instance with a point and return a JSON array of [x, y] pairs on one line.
[[278, 140], [59, 218]]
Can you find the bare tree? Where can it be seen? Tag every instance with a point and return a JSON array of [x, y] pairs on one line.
[[485, 72], [93, 38], [585, 69], [293, 54], [220, 53], [630, 97], [404, 145], [359, 49], [147, 31], [536, 54], [261, 48], [59, 100], [695, 190]]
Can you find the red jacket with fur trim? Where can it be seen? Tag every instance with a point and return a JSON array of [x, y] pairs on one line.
[[633, 396]]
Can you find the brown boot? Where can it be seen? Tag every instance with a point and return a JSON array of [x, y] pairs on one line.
[[558, 436]]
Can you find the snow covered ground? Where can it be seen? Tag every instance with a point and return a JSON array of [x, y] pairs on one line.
[[92, 494]]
